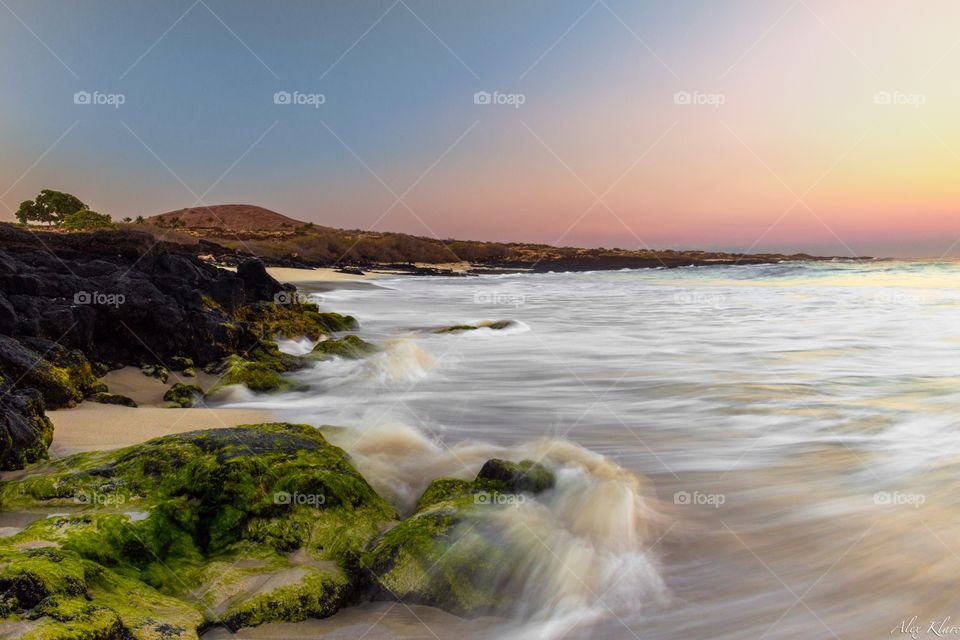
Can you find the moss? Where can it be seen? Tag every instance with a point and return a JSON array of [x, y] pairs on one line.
[[349, 347], [71, 597], [256, 376], [280, 485], [525, 475], [189, 372], [268, 320], [446, 555], [259, 369], [458, 328], [334, 322], [53, 383], [444, 489], [210, 304], [183, 395], [27, 408], [112, 398], [155, 371], [180, 363], [210, 500], [442, 557], [317, 594]]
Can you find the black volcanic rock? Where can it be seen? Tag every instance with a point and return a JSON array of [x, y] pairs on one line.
[[75, 303], [123, 298], [25, 432]]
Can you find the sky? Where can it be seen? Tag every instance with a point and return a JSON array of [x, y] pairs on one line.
[[754, 125]]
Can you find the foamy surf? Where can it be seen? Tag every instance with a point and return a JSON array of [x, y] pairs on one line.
[[580, 552]]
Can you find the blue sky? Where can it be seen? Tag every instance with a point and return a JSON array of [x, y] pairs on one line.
[[198, 80]]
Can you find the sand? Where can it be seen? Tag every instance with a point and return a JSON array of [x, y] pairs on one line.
[[295, 276], [94, 427]]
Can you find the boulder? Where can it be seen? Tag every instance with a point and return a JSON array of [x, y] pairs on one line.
[[448, 554], [25, 430], [241, 525], [183, 395], [349, 347]]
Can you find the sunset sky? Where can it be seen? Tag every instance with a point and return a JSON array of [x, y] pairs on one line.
[[825, 126]]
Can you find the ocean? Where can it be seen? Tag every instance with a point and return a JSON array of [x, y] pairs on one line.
[[741, 451]]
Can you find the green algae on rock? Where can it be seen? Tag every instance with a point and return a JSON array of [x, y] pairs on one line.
[[349, 347], [157, 371], [63, 377], [292, 320], [60, 594], [25, 430], [445, 554], [275, 496], [459, 328], [105, 397], [183, 395]]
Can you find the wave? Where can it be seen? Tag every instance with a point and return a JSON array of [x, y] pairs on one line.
[[579, 553]]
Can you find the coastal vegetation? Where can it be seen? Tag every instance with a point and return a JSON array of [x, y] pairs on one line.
[[64, 210]]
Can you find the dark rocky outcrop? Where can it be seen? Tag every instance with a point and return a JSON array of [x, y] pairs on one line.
[[74, 305], [122, 298], [25, 431]]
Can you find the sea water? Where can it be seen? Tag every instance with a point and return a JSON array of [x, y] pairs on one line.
[[741, 451]]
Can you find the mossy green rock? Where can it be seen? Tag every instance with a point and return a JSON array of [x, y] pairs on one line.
[[446, 554], [183, 395], [350, 347], [459, 328], [155, 371], [259, 369], [271, 319], [441, 556], [57, 593], [63, 377], [180, 363], [112, 398], [515, 477], [185, 515]]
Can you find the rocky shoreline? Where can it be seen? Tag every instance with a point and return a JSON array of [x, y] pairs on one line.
[[236, 526]]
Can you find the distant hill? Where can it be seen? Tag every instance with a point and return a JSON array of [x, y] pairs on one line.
[[228, 218], [244, 229]]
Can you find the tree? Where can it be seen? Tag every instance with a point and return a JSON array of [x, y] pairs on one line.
[[50, 207], [139, 220], [128, 219], [86, 219]]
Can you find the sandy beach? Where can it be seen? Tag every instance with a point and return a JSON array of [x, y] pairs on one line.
[[290, 275], [91, 426]]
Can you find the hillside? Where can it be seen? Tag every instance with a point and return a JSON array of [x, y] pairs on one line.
[[234, 230], [229, 218]]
